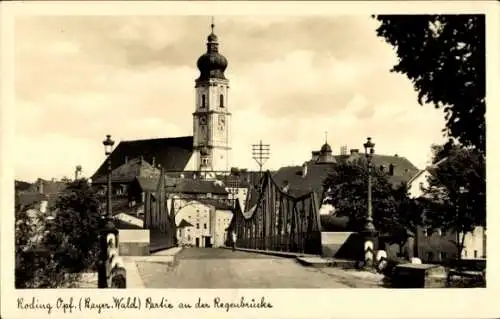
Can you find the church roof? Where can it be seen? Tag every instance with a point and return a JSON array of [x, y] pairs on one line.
[[171, 153]]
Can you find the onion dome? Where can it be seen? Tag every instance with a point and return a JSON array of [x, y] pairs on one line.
[[212, 64], [326, 148]]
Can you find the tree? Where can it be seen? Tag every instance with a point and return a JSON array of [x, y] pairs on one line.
[[73, 235], [348, 191], [457, 193], [444, 57], [407, 217]]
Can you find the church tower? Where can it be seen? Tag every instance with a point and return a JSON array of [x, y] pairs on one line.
[[211, 118]]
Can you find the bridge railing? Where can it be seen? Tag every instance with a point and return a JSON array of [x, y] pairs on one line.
[[279, 221]]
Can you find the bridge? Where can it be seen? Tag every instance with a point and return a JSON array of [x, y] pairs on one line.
[[279, 221], [276, 224]]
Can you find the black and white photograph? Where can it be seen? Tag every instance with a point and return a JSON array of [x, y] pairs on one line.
[[247, 151]]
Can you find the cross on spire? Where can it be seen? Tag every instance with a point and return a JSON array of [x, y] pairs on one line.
[[326, 137]]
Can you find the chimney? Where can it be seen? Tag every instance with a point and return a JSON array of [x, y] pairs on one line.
[[304, 170], [354, 151], [153, 161], [126, 159], [285, 186]]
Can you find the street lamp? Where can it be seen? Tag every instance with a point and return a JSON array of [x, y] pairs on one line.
[[108, 147], [369, 150], [108, 225]]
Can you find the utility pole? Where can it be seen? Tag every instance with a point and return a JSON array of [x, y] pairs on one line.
[[261, 153]]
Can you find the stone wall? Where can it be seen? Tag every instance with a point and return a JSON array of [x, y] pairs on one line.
[[134, 242], [342, 245]]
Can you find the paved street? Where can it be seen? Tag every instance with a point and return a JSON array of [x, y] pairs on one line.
[[223, 268]]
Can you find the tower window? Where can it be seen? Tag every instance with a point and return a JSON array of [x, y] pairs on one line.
[[221, 100], [203, 101]]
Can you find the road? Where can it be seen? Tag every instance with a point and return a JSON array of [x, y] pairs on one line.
[[223, 268]]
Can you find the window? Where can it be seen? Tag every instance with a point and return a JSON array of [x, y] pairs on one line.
[[205, 226], [443, 255], [430, 256], [221, 100], [197, 226], [382, 168], [475, 253], [421, 185], [391, 170], [465, 253], [203, 101]]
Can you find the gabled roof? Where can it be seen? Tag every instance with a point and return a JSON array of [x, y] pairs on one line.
[[184, 224], [217, 204], [147, 184], [193, 186], [404, 170], [299, 185], [429, 169], [22, 186], [170, 153], [129, 171], [49, 188], [30, 198]]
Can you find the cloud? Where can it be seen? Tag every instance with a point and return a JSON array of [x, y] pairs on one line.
[[78, 78]]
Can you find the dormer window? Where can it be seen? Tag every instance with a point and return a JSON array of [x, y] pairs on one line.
[[221, 100], [203, 101]]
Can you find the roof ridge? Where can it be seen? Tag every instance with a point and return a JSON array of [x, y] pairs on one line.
[[155, 139]]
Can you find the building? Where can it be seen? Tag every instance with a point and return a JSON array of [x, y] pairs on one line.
[[197, 215], [435, 245], [203, 222]]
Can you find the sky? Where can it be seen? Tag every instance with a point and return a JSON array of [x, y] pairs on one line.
[[78, 78]]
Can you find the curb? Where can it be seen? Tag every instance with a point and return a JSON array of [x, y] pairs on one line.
[[342, 264], [272, 252], [159, 248]]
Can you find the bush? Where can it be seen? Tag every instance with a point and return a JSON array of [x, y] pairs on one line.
[[69, 245]]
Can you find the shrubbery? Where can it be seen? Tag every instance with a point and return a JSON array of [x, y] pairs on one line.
[[70, 242]]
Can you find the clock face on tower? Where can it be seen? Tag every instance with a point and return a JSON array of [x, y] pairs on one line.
[[203, 120], [222, 120]]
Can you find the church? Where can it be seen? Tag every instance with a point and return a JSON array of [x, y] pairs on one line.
[[207, 150]]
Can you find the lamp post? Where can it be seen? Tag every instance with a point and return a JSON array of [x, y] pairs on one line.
[[369, 233], [369, 150], [108, 147], [107, 219]]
